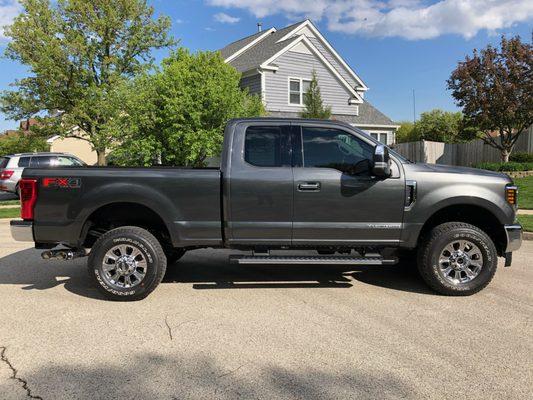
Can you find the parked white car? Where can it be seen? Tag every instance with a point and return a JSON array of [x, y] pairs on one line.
[[11, 166]]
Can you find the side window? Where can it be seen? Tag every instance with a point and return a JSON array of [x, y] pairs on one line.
[[263, 146], [41, 161], [63, 161], [24, 162], [334, 148]]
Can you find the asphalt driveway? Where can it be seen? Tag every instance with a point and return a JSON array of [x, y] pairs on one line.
[[215, 330]]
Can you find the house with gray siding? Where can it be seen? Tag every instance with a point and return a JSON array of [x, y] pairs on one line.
[[278, 65]]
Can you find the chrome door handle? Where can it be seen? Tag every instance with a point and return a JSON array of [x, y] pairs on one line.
[[309, 187]]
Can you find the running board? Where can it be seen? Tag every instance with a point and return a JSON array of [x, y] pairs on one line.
[[312, 260]]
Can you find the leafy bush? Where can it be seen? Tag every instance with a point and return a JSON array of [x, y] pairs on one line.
[[510, 166], [522, 157]]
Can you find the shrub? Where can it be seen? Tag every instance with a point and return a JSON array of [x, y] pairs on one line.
[[509, 166], [522, 157]]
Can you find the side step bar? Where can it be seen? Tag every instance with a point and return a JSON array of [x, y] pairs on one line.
[[312, 260]]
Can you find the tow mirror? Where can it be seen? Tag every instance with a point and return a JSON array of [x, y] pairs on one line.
[[382, 163]]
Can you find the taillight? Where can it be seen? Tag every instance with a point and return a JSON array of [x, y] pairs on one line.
[[6, 174], [28, 197]]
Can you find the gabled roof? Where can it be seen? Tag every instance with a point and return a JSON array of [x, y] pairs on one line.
[[262, 50], [368, 114], [273, 42]]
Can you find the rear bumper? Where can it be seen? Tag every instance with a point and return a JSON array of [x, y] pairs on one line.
[[514, 237], [22, 231]]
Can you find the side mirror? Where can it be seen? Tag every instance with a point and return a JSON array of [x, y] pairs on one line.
[[382, 162]]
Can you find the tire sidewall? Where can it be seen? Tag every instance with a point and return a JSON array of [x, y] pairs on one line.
[[485, 246], [149, 253]]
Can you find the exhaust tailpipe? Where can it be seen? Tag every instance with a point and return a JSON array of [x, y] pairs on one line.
[[63, 254]]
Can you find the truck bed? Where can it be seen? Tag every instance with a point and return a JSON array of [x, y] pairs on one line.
[[188, 200]]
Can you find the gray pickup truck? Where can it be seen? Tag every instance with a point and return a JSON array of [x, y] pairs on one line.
[[283, 186]]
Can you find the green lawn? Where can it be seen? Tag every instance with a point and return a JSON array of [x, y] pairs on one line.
[[527, 222], [10, 212], [9, 203], [525, 192]]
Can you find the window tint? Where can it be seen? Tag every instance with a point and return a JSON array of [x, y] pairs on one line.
[[333, 148], [4, 161], [24, 162], [263, 146], [41, 161]]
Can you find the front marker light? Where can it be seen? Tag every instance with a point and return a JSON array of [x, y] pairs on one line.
[[511, 195]]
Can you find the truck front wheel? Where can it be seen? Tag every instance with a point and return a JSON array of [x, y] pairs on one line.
[[127, 263], [457, 259]]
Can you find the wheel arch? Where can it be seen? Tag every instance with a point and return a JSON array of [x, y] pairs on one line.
[[123, 213], [474, 214]]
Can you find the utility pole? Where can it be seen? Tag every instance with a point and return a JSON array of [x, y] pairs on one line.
[[414, 107]]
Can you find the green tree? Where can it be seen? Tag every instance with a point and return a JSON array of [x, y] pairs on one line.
[[314, 107], [23, 143], [439, 126], [494, 87], [177, 115], [78, 53], [406, 132]]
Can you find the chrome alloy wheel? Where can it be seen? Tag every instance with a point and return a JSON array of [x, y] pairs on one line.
[[124, 266], [460, 261]]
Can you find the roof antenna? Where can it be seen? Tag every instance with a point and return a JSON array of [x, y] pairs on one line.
[[259, 26]]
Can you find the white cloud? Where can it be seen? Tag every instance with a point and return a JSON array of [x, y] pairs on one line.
[[9, 9], [409, 19], [225, 18]]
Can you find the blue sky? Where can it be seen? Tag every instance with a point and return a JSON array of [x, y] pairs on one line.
[[395, 46]]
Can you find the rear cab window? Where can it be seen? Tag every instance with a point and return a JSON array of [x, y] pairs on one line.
[[266, 146]]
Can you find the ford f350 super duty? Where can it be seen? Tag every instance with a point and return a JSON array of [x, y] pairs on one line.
[[283, 184]]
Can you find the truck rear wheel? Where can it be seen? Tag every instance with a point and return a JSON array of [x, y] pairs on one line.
[[127, 263], [457, 259]]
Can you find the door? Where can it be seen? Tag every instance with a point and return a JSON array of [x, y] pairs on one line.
[[260, 186], [337, 201]]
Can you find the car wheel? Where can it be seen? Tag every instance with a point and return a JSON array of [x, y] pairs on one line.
[[173, 255], [457, 259], [127, 263]]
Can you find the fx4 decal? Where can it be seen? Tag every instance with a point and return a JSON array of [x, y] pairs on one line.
[[63, 183]]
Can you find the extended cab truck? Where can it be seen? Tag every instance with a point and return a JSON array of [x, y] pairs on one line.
[[283, 184]]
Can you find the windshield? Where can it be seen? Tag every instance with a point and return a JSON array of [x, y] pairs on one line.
[[3, 162]]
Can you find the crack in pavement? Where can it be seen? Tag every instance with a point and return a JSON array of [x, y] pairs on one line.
[[169, 328], [14, 374]]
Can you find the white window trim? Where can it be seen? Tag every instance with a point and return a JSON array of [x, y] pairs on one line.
[[389, 138], [301, 80]]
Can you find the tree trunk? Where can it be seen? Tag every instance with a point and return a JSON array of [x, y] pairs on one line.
[[102, 162], [505, 155]]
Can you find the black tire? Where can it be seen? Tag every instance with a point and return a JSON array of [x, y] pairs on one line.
[[173, 255], [430, 251], [150, 251]]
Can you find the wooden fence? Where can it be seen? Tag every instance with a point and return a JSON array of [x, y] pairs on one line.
[[464, 154]]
